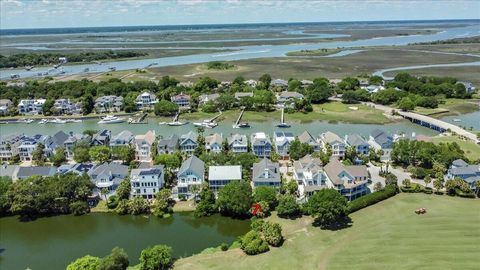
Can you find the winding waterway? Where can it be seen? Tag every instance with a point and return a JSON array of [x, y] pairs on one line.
[[52, 243], [249, 52]]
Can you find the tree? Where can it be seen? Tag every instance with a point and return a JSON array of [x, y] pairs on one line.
[[5, 202], [124, 153], [375, 80], [235, 199], [272, 232], [266, 194], [349, 83], [427, 180], [377, 187], [90, 132], [116, 260], [298, 150], [170, 161], [59, 157], [85, 263], [438, 184], [391, 179], [100, 154], [206, 206], [104, 192], [123, 190], [47, 106], [406, 104], [252, 243], [138, 206], [79, 208], [81, 154], [38, 155], [406, 183], [165, 108], [264, 81], [158, 257], [287, 206], [290, 187], [319, 92], [87, 104], [327, 206], [162, 204]]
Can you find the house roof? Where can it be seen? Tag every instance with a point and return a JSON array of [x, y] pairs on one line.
[[243, 94], [193, 164], [330, 137], [148, 137], [125, 135], [24, 172], [154, 170], [306, 137], [189, 136], [169, 142], [109, 168], [237, 138], [225, 172], [265, 171], [459, 163], [381, 137], [208, 97], [308, 163], [335, 167], [214, 138], [289, 94], [59, 138], [355, 140], [260, 138]]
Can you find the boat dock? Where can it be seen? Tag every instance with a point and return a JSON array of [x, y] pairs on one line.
[[139, 120], [215, 117], [282, 120], [237, 123]]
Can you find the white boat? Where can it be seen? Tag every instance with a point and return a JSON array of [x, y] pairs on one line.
[[43, 121], [73, 120], [57, 121], [25, 121], [206, 124], [176, 123], [111, 119], [457, 120]]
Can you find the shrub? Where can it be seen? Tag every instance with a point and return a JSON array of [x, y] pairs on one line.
[[182, 197], [79, 208], [371, 198], [112, 202], [253, 244], [158, 257], [462, 194], [122, 207], [85, 263], [224, 247], [272, 232], [288, 206], [412, 188], [138, 206], [267, 194], [116, 260]]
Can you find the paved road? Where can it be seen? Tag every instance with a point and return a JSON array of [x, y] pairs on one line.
[[398, 172]]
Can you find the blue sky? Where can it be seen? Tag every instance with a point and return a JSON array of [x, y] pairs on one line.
[[71, 13]]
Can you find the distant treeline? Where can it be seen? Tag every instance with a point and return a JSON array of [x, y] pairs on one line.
[[219, 65], [450, 41], [36, 59]]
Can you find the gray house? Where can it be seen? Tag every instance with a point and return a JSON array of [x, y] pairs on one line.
[[25, 172], [213, 143], [261, 144], [266, 173], [123, 138], [101, 138], [380, 140], [309, 174], [350, 181], [359, 142], [168, 145], [306, 137], [238, 143], [188, 142], [108, 175], [191, 173], [461, 169]]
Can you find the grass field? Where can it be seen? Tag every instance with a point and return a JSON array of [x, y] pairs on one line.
[[451, 107], [388, 235], [472, 151]]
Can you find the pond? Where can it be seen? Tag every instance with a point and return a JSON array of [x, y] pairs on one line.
[[52, 243]]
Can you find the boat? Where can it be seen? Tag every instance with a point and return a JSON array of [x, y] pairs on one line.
[[243, 125], [86, 70], [25, 121], [73, 120], [176, 123], [206, 124], [112, 68], [14, 76], [111, 119], [57, 121], [28, 68], [457, 120], [43, 121], [282, 123]]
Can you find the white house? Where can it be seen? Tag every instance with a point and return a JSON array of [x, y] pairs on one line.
[[310, 177], [238, 143], [143, 146], [219, 176], [350, 181], [146, 182], [213, 143], [332, 140], [31, 106], [191, 173], [282, 141], [146, 101], [182, 100]]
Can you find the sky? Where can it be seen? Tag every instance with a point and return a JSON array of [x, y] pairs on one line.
[[83, 13]]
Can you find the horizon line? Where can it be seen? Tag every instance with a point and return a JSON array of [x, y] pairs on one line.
[[246, 23]]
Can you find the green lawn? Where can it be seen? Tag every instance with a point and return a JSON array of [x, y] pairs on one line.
[[472, 151], [388, 235], [450, 107]]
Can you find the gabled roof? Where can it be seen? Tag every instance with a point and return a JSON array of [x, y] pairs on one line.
[[265, 171], [59, 138], [355, 140], [109, 168], [225, 172], [189, 136], [290, 94], [148, 138], [243, 94], [306, 137], [308, 163], [381, 137], [169, 142], [260, 138], [459, 163], [330, 137], [125, 135], [194, 165], [237, 138], [214, 138], [334, 168]]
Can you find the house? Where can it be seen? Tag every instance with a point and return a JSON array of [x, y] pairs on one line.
[[9, 146], [191, 173], [373, 88], [461, 169], [238, 143], [214, 143], [279, 83], [77, 168], [332, 140], [310, 177], [124, 138], [107, 175], [65, 106], [380, 140], [188, 142], [251, 83], [219, 176], [361, 146], [9, 171], [202, 99], [5, 105], [143, 146], [240, 95], [25, 172], [146, 101], [31, 106], [168, 145], [350, 181], [468, 86], [182, 100], [72, 141], [102, 137], [282, 141], [306, 83], [58, 140], [287, 96], [266, 173], [28, 145], [16, 84], [261, 144], [148, 181], [107, 104], [306, 137], [185, 84]]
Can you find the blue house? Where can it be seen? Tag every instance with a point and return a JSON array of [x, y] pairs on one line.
[[261, 144]]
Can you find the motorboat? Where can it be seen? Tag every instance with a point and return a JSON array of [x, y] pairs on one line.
[[73, 120], [112, 68], [111, 119], [57, 121], [43, 121], [176, 123], [457, 120], [28, 68], [243, 125], [206, 124], [283, 125], [86, 70], [25, 121]]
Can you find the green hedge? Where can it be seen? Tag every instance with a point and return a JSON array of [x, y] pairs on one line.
[[372, 198], [462, 194], [413, 188]]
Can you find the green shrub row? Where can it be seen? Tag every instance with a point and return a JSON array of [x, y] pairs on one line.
[[372, 198], [462, 194]]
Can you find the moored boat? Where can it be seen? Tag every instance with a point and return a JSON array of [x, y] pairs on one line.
[[111, 119]]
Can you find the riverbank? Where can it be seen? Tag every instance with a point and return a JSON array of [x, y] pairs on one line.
[[448, 220]]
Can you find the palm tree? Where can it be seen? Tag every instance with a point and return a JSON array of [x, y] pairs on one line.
[[194, 189], [438, 184], [104, 192], [427, 180]]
